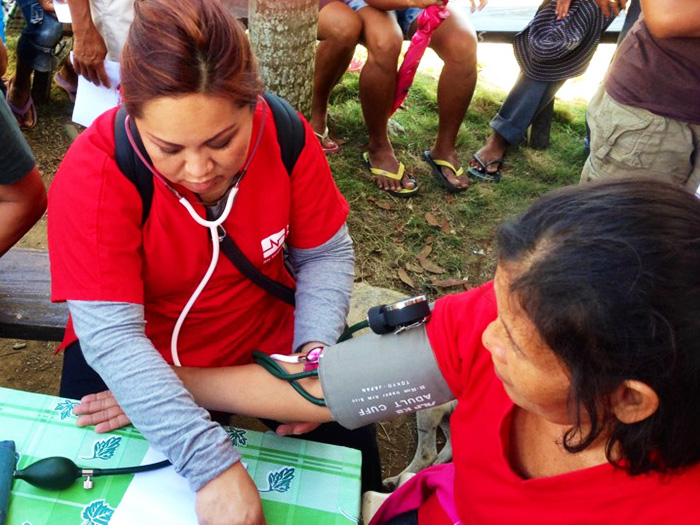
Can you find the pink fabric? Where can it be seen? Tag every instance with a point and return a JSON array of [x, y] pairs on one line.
[[438, 479], [428, 21]]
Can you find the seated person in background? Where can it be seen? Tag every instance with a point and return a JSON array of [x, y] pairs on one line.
[[35, 50], [22, 192], [339, 29], [645, 118], [558, 44], [385, 24], [575, 370]]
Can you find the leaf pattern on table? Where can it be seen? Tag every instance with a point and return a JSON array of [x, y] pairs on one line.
[[104, 448], [65, 408], [97, 513], [238, 437], [280, 480]]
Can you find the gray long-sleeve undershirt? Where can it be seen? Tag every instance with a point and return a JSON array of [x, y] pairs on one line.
[[113, 340]]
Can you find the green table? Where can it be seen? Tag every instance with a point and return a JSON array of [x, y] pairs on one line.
[[300, 482]]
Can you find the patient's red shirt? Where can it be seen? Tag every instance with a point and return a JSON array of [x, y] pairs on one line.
[[486, 489]]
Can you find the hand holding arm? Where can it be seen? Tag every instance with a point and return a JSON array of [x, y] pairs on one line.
[[89, 49]]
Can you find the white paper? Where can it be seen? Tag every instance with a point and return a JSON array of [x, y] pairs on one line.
[[160, 496], [62, 12], [91, 100]]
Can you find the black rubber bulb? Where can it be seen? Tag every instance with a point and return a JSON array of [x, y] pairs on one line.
[[55, 473]]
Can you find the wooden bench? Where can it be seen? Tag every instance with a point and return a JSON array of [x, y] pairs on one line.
[[499, 22], [26, 311]]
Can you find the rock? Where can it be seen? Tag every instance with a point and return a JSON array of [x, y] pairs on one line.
[[365, 296]]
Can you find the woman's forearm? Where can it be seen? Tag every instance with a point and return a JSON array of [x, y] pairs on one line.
[[252, 391]]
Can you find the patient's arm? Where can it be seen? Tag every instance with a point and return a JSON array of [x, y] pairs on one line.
[[221, 389]]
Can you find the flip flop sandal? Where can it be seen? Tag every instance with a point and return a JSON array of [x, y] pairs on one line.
[[436, 165], [481, 173], [323, 139], [404, 193], [65, 86], [20, 114]]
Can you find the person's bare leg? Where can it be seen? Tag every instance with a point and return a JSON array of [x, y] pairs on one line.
[[3, 59], [21, 90], [339, 29], [68, 74], [383, 38], [455, 43]]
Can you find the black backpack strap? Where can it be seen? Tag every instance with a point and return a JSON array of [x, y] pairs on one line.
[[240, 261], [130, 164], [291, 134]]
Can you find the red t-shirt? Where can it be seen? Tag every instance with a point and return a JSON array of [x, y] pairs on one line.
[[100, 252], [486, 488]]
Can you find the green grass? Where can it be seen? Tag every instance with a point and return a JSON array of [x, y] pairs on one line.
[[390, 233]]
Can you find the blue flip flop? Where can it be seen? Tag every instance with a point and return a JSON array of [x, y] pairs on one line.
[[482, 173]]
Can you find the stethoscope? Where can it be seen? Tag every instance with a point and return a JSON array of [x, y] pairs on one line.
[[212, 225]]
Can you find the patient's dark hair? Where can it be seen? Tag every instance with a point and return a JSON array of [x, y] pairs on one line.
[[609, 273]]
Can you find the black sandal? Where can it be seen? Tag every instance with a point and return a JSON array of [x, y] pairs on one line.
[[482, 173]]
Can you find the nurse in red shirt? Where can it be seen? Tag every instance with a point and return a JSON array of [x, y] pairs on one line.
[[146, 296]]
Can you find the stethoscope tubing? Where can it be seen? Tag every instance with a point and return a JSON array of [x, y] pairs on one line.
[[213, 226]]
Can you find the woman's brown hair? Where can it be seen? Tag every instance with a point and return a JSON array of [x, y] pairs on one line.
[[190, 47]]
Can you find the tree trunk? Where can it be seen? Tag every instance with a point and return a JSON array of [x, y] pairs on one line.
[[283, 36]]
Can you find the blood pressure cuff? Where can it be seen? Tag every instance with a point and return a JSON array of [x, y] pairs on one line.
[[378, 377]]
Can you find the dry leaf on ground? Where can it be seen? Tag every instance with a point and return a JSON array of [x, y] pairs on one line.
[[414, 268], [430, 266], [430, 218], [405, 278]]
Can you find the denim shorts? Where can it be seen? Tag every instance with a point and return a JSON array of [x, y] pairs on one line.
[[39, 38], [404, 17]]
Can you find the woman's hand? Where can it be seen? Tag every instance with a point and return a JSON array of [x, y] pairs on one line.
[[101, 410], [482, 4], [563, 8], [47, 6], [611, 6], [295, 428], [89, 52], [230, 499]]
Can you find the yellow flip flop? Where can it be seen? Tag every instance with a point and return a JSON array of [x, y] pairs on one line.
[[436, 166], [404, 193]]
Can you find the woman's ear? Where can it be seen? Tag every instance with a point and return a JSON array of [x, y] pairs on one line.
[[634, 401]]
